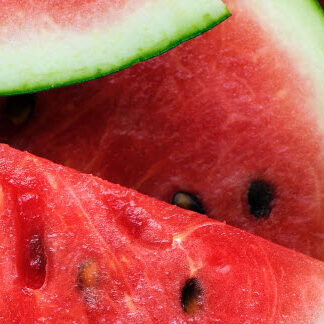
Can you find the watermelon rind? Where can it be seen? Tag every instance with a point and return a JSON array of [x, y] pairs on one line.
[[42, 59], [298, 26]]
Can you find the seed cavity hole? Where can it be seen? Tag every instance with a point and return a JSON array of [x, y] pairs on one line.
[[19, 109], [188, 201], [33, 262], [261, 196], [88, 275], [31, 247], [191, 296]]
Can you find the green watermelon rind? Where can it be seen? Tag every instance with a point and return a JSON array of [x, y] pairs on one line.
[[206, 23], [318, 6]]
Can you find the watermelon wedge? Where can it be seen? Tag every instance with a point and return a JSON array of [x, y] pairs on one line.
[[229, 124], [48, 43], [77, 249]]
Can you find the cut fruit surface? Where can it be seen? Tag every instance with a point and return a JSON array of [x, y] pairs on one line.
[[44, 44], [230, 124], [75, 248]]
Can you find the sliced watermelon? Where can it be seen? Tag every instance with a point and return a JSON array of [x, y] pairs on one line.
[[231, 121], [47, 43], [77, 249]]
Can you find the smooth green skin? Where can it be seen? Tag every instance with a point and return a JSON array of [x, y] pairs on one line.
[[164, 46]]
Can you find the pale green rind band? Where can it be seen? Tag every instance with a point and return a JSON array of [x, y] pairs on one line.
[[66, 57], [297, 26]]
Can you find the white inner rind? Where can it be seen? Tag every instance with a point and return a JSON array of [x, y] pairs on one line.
[[55, 56], [298, 28]]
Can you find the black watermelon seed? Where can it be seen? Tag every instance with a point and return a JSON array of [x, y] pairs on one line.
[[188, 201], [19, 109], [191, 296], [260, 198]]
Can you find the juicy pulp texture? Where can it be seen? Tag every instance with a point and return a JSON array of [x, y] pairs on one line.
[[109, 254], [44, 44], [209, 118]]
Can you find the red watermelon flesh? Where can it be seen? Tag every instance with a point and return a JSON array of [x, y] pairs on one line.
[[77, 249], [228, 109]]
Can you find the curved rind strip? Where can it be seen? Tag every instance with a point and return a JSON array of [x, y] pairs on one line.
[[306, 21], [63, 56]]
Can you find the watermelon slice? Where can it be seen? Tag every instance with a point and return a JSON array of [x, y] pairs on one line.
[[47, 43], [229, 124], [77, 249]]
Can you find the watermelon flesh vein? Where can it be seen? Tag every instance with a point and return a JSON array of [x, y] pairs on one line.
[[44, 44], [220, 112], [77, 248]]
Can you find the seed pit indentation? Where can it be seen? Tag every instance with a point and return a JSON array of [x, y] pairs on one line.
[[191, 296], [33, 262], [88, 275], [188, 201], [261, 195], [19, 109], [30, 245]]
